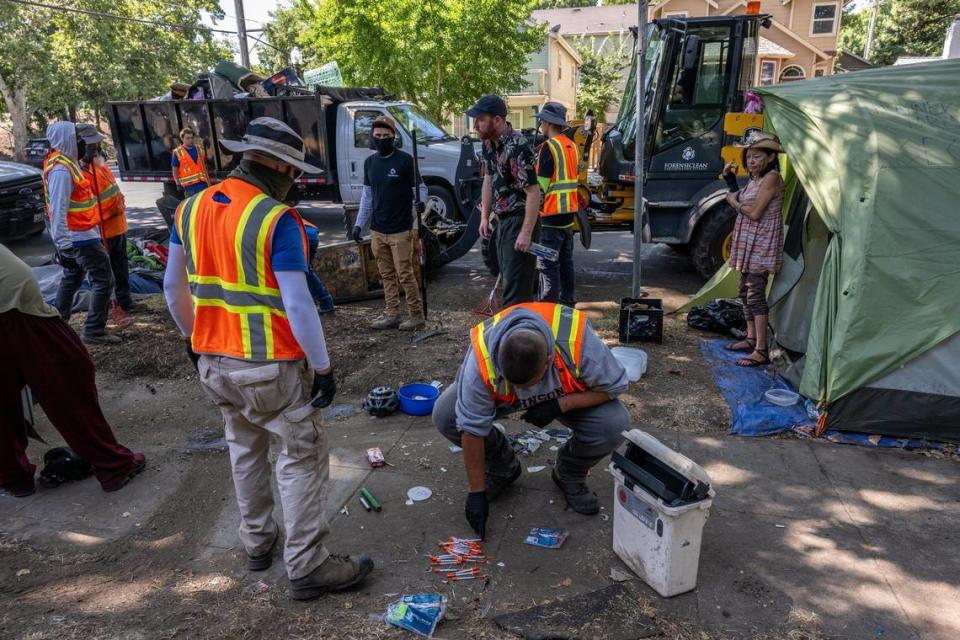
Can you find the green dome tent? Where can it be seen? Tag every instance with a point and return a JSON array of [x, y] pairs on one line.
[[867, 306]]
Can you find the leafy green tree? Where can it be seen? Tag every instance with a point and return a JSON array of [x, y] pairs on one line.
[[441, 54], [562, 4], [55, 61], [903, 28], [601, 75]]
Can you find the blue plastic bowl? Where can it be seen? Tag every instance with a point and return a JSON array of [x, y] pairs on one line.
[[409, 403]]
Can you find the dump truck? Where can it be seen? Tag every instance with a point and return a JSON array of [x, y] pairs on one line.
[[334, 123]]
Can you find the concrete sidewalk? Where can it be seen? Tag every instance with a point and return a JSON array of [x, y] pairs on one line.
[[864, 539]]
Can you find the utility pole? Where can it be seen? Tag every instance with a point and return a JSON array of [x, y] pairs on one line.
[[870, 29], [242, 33], [638, 145]]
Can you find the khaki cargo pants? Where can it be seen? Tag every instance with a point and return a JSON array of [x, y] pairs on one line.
[[395, 255], [259, 400]]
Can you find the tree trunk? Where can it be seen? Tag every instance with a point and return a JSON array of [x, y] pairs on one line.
[[72, 113], [16, 100]]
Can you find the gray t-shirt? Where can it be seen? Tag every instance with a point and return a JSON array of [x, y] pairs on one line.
[[476, 408]]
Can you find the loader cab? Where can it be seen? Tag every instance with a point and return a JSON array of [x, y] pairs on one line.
[[696, 71]]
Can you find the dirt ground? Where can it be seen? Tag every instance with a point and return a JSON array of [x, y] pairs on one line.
[[160, 580]]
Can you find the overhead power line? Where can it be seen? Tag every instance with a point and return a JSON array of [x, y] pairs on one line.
[[113, 16]]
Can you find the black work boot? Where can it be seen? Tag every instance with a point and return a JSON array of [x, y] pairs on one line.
[[335, 574], [570, 475], [503, 468]]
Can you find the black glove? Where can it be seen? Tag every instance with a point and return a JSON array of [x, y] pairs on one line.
[[542, 414], [324, 388], [193, 355], [355, 234], [419, 206], [731, 179], [476, 510]]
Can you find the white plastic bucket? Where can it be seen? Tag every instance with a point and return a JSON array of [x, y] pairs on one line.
[[661, 544], [632, 359]]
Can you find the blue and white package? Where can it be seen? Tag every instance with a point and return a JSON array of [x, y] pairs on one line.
[[546, 538], [419, 613]]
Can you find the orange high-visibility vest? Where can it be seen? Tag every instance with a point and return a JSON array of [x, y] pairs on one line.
[[561, 195], [236, 297], [82, 212], [567, 325], [189, 172], [112, 208]]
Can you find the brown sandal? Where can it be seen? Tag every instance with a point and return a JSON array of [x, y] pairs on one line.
[[753, 362], [751, 344]]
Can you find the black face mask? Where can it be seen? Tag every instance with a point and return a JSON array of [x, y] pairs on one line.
[[384, 146]]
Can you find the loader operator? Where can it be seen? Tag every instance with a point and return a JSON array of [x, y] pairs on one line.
[[546, 360], [236, 286]]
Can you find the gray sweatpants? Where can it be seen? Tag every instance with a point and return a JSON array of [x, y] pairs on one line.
[[597, 428]]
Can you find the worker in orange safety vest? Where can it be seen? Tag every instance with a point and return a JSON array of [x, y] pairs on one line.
[[546, 360], [189, 164], [112, 210], [557, 171]]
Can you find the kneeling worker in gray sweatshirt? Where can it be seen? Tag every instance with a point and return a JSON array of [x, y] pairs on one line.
[[546, 360]]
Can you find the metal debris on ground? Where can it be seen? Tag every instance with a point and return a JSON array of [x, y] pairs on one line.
[[546, 538], [427, 336], [537, 469], [528, 442], [339, 411]]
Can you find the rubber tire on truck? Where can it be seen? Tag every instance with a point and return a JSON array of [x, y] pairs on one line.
[[488, 250], [443, 194], [707, 247], [683, 249]]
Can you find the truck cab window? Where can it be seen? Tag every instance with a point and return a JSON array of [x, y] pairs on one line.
[[697, 96], [362, 121]]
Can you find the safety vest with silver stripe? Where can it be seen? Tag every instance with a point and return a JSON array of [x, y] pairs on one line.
[[189, 172], [227, 246], [567, 326], [82, 213], [561, 195]]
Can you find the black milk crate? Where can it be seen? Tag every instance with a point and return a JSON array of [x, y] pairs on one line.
[[641, 320]]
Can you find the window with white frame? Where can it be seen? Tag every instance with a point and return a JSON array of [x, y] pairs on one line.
[[676, 14], [824, 22], [768, 72], [792, 73]]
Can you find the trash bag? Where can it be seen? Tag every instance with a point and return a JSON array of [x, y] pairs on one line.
[[720, 316]]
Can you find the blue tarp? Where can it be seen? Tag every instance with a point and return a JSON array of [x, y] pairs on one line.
[[743, 389]]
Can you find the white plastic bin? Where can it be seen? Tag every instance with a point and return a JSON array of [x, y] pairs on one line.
[[660, 543]]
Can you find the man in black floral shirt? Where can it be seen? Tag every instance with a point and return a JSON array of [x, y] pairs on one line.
[[510, 190]]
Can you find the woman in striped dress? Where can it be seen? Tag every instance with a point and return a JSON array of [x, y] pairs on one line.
[[757, 250]]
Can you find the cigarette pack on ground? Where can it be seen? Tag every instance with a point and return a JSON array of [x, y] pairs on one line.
[[418, 613], [546, 538], [375, 457]]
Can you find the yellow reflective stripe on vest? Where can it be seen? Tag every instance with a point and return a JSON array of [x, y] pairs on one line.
[[249, 298], [491, 373], [563, 185]]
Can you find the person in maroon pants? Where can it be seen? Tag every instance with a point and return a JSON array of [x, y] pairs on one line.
[[41, 351]]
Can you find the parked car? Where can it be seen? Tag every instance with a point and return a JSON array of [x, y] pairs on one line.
[[22, 208], [37, 150]]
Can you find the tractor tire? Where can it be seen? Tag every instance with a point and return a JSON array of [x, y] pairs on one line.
[[488, 250], [708, 242], [683, 249]]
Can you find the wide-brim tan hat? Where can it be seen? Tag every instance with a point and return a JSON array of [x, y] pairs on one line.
[[274, 138], [761, 140]]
